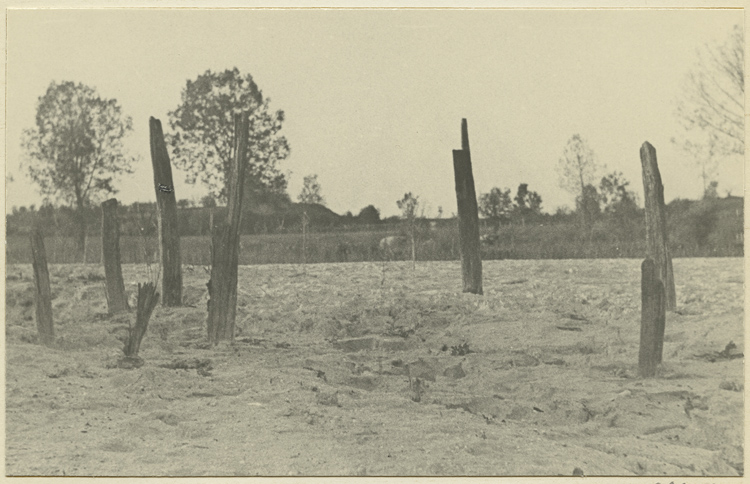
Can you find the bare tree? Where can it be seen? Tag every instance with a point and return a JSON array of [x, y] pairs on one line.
[[577, 169], [409, 206], [713, 96]]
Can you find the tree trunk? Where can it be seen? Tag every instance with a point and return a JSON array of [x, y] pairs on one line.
[[43, 296], [80, 217], [652, 320], [657, 240], [116, 300], [222, 292], [413, 249], [169, 235], [468, 216]]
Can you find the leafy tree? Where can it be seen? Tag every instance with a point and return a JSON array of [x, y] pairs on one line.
[[578, 168], [369, 215], [619, 204], [587, 205], [75, 150], [208, 201], [713, 96], [202, 141], [495, 205], [615, 196], [409, 206], [527, 204], [711, 192], [311, 191]]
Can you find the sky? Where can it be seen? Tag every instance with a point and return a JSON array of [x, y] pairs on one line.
[[374, 98]]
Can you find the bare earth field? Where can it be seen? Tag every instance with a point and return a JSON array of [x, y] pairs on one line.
[[536, 377]]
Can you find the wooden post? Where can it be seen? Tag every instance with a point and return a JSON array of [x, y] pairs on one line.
[[305, 221], [43, 294], [116, 300], [657, 238], [166, 216], [222, 287], [148, 298], [653, 316], [468, 216]]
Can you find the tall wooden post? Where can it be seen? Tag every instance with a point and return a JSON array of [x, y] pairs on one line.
[[657, 239], [468, 216], [116, 300], [222, 287], [169, 236], [43, 295], [653, 311]]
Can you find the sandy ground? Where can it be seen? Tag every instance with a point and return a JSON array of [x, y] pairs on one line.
[[379, 369]]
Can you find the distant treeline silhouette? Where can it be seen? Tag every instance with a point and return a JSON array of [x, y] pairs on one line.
[[703, 228]]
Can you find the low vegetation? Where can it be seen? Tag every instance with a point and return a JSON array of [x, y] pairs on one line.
[[708, 228]]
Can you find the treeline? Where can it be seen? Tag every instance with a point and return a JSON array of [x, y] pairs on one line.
[[708, 227], [140, 219]]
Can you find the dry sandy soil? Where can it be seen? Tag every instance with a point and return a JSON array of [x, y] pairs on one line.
[[536, 377]]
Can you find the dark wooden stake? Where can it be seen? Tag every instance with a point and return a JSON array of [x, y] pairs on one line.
[[468, 216], [222, 287], [148, 298], [657, 239], [169, 236], [43, 294], [653, 317], [116, 299]]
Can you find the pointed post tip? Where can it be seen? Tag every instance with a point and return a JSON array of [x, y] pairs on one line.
[[464, 135]]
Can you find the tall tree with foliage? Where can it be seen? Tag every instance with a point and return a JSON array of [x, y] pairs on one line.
[[495, 205], [712, 100], [578, 168], [75, 149], [311, 191], [202, 138]]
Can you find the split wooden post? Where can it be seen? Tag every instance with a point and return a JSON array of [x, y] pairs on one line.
[[169, 236], [468, 216], [116, 299], [222, 287], [148, 298], [653, 317], [43, 295], [657, 238]]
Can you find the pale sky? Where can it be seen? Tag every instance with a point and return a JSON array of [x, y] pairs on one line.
[[374, 98]]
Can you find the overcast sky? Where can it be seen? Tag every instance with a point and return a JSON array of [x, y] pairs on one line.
[[374, 98]]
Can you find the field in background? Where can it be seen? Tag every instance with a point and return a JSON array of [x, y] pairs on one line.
[[561, 241]]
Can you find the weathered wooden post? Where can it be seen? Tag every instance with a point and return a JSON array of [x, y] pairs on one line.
[[653, 316], [169, 236], [468, 216], [43, 295], [148, 298], [116, 299], [222, 287], [305, 222], [657, 238]]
